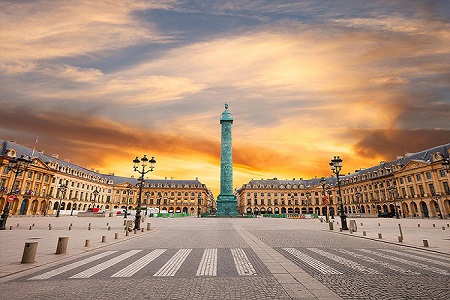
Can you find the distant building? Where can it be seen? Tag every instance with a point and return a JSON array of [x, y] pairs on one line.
[[36, 190], [416, 183]]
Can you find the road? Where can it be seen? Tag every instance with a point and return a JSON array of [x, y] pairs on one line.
[[208, 258]]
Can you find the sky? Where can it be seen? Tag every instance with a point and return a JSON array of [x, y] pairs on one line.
[[101, 82]]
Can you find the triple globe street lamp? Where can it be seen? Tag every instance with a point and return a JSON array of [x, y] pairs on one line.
[[16, 165], [140, 166], [62, 192], [336, 167]]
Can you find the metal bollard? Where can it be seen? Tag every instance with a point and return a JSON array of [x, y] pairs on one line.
[[400, 239], [107, 224], [103, 238], [17, 225], [10, 227], [443, 227], [109, 228], [61, 248], [30, 227], [134, 231], [29, 253], [425, 243], [380, 236], [89, 224], [378, 224], [361, 224], [116, 236], [126, 233], [418, 225], [148, 226], [87, 243], [340, 229], [49, 227], [364, 233], [434, 225], [331, 226], [142, 229], [70, 227], [89, 228]]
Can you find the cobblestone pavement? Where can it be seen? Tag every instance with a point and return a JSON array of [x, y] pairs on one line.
[[210, 258]]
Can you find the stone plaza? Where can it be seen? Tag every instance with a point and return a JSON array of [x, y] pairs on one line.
[[226, 258]]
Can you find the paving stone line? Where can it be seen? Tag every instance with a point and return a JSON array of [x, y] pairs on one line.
[[174, 264], [103, 266], [441, 263], [242, 263], [407, 262], [312, 262], [377, 262], [208, 264], [133, 268], [71, 266], [345, 262]]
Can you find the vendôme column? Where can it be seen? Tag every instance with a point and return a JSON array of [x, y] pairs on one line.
[[226, 201]]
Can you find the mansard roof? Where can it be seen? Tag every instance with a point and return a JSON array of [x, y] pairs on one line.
[[386, 168], [52, 161]]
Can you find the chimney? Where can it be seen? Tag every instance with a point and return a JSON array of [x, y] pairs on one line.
[[55, 156]]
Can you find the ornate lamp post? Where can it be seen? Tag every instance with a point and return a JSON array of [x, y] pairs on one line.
[[336, 167], [129, 190], [393, 191], [73, 204], [140, 166], [147, 194], [329, 192], [199, 199], [293, 204], [326, 202], [62, 190], [308, 196], [16, 165], [358, 201], [96, 192]]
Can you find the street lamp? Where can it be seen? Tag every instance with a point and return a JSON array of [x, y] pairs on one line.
[[393, 191], [129, 190], [96, 192], [142, 163], [330, 203], [147, 194], [199, 199], [62, 190], [73, 204], [323, 183], [15, 165], [308, 196], [336, 167], [358, 201]]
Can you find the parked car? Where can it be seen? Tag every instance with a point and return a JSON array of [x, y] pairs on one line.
[[383, 214]]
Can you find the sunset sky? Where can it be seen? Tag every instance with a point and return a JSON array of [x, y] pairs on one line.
[[101, 82]]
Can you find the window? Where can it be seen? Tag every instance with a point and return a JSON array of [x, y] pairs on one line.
[[409, 178], [39, 176], [446, 188], [5, 170], [401, 180], [432, 191], [428, 175], [411, 190], [422, 193], [442, 173], [418, 177]]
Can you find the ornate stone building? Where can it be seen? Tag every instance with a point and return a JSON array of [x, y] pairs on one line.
[[413, 185], [50, 183]]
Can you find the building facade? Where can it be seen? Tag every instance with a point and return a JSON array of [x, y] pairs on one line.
[[414, 185], [50, 184]]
